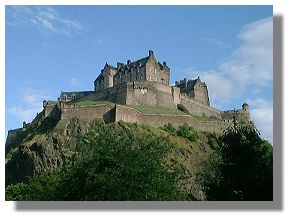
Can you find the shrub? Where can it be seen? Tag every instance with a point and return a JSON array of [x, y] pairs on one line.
[[169, 128], [185, 131]]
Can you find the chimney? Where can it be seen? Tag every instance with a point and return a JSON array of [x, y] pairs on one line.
[[128, 61], [176, 83], [151, 53], [164, 63]]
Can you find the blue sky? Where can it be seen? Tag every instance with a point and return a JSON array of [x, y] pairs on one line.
[[54, 48]]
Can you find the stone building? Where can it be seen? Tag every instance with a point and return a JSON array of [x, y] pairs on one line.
[[194, 89], [146, 82], [145, 69]]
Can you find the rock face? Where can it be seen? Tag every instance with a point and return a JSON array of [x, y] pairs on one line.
[[42, 146]]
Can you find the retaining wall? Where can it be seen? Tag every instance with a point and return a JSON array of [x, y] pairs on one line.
[[199, 109], [128, 114]]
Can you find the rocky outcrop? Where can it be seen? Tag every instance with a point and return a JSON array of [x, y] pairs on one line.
[[43, 147]]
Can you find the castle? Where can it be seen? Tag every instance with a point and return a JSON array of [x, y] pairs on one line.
[[143, 82], [146, 82]]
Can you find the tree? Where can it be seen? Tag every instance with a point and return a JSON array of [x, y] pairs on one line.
[[241, 168], [113, 162]]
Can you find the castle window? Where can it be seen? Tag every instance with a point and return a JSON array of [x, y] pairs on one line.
[[155, 70], [150, 69], [150, 77], [156, 79]]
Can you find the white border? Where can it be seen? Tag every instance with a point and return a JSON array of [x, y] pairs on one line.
[[280, 8]]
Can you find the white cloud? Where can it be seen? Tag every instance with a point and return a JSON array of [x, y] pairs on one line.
[[74, 82], [249, 66], [248, 71], [252, 62], [262, 115], [32, 103], [44, 18]]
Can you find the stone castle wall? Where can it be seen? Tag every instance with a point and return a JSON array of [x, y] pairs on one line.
[[240, 115], [139, 93], [85, 113], [14, 137], [199, 109], [128, 114], [108, 113], [151, 93], [116, 94]]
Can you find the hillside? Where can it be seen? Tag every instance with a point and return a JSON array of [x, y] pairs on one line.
[[117, 161]]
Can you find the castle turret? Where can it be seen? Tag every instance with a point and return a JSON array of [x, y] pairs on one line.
[[245, 107]]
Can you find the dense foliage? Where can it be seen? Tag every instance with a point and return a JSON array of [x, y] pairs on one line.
[[113, 162], [241, 168], [122, 161]]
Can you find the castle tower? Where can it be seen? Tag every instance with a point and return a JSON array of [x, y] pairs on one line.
[[105, 79]]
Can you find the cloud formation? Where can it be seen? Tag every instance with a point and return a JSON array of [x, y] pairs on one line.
[[262, 115], [250, 65], [44, 18], [32, 104], [248, 71]]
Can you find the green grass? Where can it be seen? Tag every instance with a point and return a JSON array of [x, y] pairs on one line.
[[89, 102], [156, 109]]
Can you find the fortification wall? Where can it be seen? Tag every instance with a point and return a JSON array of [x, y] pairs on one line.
[[85, 113], [116, 94], [15, 137], [131, 115], [151, 93], [199, 109], [240, 115]]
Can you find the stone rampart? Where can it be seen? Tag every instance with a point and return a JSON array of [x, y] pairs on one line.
[[196, 108], [149, 93], [85, 113], [240, 115], [128, 114], [116, 94]]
